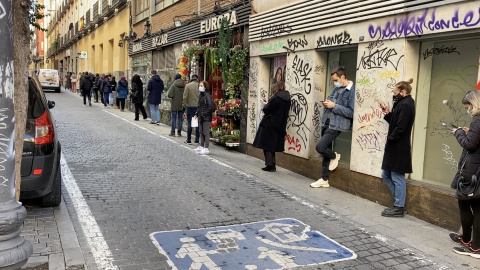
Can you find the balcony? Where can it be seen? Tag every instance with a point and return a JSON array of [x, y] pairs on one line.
[[96, 16], [118, 3], [107, 8]]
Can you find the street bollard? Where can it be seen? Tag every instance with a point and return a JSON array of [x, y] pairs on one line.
[[14, 249]]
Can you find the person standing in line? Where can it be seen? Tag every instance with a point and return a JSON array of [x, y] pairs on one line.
[[337, 118], [273, 128], [204, 114], [107, 90], [113, 84], [68, 81], [95, 87], [190, 102], [86, 85], [122, 92], [74, 82], [176, 94], [137, 96], [469, 140], [155, 89], [397, 158]]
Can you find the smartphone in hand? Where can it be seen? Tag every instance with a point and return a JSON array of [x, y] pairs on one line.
[[453, 126]]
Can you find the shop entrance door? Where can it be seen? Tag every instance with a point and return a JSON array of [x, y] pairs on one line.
[[448, 70], [343, 143]]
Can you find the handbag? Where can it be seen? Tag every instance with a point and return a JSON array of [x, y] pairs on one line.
[[468, 190]]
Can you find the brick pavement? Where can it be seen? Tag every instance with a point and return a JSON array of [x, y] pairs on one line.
[[136, 181]]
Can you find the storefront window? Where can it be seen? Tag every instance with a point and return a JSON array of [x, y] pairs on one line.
[[343, 143], [164, 63], [448, 70]]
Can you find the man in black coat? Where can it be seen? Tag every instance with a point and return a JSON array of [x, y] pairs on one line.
[[86, 85], [397, 158]]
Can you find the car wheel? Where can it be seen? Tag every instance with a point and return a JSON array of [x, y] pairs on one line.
[[57, 90], [54, 198]]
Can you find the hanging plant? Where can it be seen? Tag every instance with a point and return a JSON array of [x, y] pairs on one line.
[[236, 73], [210, 58], [193, 51], [224, 37]]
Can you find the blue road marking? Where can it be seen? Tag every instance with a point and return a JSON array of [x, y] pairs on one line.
[[277, 244]]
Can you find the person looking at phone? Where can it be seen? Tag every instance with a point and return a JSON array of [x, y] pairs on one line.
[[397, 158], [337, 118]]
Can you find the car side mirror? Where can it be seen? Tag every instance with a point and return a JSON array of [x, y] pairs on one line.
[[51, 104]]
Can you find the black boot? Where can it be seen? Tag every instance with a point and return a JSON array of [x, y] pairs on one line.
[[395, 211], [269, 168]]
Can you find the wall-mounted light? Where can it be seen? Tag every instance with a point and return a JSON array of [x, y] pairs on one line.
[[146, 26], [217, 9], [120, 43], [177, 23]]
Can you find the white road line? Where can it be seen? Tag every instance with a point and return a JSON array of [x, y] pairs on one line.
[[99, 248], [302, 201]]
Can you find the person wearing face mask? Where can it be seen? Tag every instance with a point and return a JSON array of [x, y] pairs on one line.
[[337, 118], [204, 113], [397, 158], [468, 165]]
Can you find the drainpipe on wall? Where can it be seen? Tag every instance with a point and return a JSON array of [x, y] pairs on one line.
[[14, 249]]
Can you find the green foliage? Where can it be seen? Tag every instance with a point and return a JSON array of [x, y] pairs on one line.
[[35, 14], [224, 37], [210, 58], [192, 51], [236, 73]]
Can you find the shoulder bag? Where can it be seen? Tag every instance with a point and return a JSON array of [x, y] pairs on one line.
[[468, 190]]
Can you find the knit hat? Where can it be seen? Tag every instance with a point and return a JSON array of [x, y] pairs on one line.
[[178, 76], [122, 78]]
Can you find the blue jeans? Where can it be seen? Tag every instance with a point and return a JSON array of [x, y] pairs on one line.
[[105, 99], [191, 113], [397, 185], [177, 115], [154, 113]]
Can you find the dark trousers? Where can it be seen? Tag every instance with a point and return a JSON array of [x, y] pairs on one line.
[[139, 107], [102, 97], [324, 148], [121, 103], [86, 94], [269, 157], [470, 218], [190, 113], [95, 94]]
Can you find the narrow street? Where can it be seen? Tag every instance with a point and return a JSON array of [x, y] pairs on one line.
[[140, 199]]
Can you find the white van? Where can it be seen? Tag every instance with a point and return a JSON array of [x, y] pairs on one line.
[[49, 79]]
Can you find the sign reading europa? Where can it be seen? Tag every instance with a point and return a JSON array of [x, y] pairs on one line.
[[214, 23]]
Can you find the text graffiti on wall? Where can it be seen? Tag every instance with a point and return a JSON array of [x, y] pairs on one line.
[[275, 30], [293, 143], [319, 69], [272, 47], [372, 142], [298, 116], [253, 120], [380, 58], [339, 39], [317, 121], [438, 51], [253, 78], [412, 24], [449, 158], [293, 44], [302, 69], [4, 142]]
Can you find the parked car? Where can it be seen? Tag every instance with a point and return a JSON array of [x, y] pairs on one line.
[[40, 170], [49, 79]]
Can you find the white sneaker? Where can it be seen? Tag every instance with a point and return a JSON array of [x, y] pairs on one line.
[[334, 162], [204, 151], [320, 183], [199, 148]]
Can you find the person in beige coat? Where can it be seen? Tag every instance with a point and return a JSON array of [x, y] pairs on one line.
[[190, 102]]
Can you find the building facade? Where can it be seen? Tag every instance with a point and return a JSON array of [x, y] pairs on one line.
[[434, 42], [88, 36]]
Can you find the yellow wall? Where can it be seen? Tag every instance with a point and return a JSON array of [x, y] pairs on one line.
[[101, 44]]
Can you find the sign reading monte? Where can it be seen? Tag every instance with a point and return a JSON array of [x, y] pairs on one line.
[[214, 23]]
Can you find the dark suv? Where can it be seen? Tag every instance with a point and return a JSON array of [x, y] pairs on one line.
[[41, 174]]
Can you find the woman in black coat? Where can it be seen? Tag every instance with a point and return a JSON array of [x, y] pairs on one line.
[[469, 140], [204, 113], [272, 130], [137, 96]]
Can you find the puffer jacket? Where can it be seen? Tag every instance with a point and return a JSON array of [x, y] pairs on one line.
[[122, 89], [176, 94], [470, 142], [205, 107]]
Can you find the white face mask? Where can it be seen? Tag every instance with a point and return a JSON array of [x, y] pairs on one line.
[[469, 111], [201, 89], [337, 84]]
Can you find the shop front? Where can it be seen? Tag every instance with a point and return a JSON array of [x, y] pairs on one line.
[[435, 46], [215, 48]]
